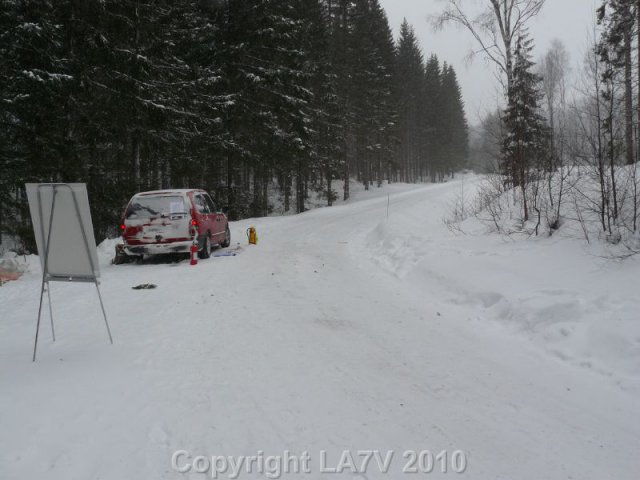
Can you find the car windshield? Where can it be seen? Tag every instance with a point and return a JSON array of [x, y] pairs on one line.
[[151, 206]]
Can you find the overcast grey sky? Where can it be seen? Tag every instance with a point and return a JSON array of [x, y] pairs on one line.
[[567, 20]]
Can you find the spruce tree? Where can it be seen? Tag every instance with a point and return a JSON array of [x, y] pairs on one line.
[[268, 96], [371, 89], [432, 128], [410, 98], [339, 17], [455, 148], [35, 85], [524, 143], [324, 126]]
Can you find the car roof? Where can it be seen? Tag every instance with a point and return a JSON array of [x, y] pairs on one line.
[[180, 191]]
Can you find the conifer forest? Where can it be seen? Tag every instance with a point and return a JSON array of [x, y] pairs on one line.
[[244, 98]]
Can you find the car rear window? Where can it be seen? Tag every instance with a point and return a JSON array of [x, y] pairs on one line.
[[151, 206]]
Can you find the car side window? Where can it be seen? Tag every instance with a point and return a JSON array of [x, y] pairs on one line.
[[201, 204], [210, 203]]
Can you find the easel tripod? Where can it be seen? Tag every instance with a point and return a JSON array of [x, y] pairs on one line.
[[48, 277]]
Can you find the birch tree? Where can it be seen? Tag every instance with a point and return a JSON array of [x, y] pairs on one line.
[[494, 27]]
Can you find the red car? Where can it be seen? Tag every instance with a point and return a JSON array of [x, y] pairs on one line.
[[169, 221]]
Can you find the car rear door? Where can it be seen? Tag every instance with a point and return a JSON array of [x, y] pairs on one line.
[[157, 218], [219, 226]]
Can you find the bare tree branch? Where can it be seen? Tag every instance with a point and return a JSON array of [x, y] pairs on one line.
[[494, 27]]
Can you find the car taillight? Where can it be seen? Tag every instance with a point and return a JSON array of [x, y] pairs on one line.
[[123, 227], [194, 222]]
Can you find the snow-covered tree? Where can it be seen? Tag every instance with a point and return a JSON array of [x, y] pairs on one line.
[[525, 141]]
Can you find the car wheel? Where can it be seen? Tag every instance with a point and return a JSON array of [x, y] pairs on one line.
[[121, 257], [205, 251], [227, 238]]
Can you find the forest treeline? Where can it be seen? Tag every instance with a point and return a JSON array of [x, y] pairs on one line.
[[238, 97]]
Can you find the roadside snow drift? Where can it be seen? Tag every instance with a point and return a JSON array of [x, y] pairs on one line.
[[343, 329]]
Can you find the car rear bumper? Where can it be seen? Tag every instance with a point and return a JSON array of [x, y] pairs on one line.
[[158, 248]]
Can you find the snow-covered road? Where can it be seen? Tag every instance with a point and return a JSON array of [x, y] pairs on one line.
[[342, 330]]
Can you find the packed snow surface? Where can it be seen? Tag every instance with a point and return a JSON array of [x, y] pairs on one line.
[[344, 329]]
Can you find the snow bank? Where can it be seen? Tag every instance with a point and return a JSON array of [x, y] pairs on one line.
[[560, 293], [568, 204], [20, 264], [107, 251], [13, 262]]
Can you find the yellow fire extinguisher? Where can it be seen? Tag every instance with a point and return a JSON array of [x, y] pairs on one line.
[[252, 235]]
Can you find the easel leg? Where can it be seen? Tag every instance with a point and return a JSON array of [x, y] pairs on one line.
[[35, 345], [104, 313], [53, 332]]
